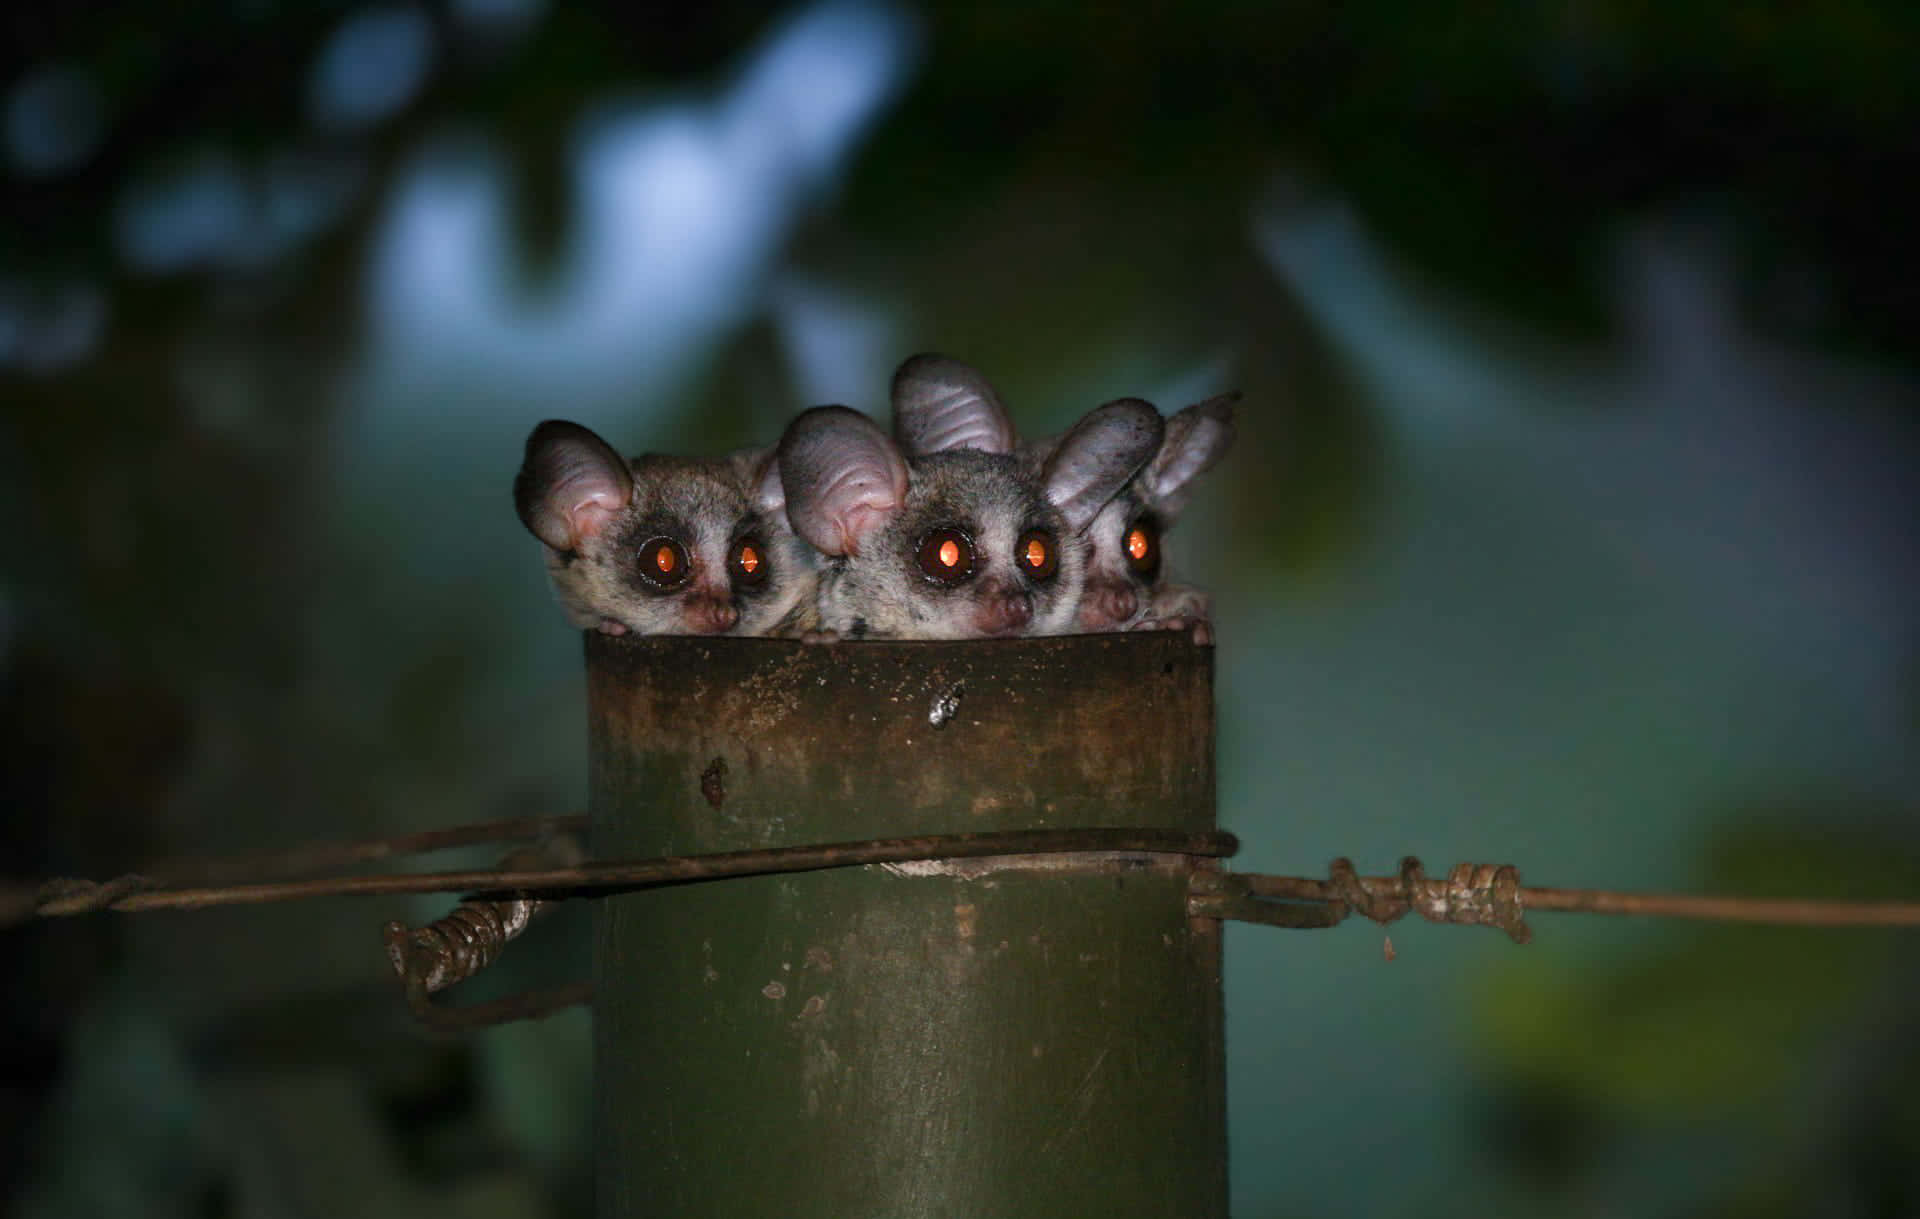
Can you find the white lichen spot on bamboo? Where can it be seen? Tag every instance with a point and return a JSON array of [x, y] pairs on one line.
[[946, 704]]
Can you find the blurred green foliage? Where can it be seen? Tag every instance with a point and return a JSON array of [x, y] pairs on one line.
[[1798, 1039], [1720, 1018]]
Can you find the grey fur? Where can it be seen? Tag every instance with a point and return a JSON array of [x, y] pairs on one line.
[[872, 584], [1119, 598], [1116, 597], [592, 510], [931, 395]]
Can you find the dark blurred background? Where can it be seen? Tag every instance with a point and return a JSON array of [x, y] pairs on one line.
[[1573, 522]]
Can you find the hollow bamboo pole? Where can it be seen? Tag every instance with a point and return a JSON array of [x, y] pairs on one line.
[[1005, 1037]]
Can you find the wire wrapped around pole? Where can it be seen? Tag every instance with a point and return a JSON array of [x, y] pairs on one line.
[[1491, 895], [1483, 895], [452, 949], [626, 875]]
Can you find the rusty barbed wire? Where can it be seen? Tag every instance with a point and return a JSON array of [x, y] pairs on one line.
[[1487, 895], [1491, 895], [72, 897], [1471, 894], [502, 901], [452, 949], [1484, 894]]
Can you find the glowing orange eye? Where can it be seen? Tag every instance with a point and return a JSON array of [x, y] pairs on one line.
[[1035, 554], [1141, 544], [946, 555], [748, 563], [663, 563]]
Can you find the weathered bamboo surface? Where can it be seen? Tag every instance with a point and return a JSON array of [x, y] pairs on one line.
[[1011, 1037]]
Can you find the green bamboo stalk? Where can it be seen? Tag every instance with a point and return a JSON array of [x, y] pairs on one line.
[[1006, 1038]]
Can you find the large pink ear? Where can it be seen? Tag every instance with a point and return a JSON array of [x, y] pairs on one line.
[[842, 477], [570, 485], [1098, 455], [941, 404], [1196, 438]]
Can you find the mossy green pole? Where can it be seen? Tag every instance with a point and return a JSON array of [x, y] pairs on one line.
[[985, 1039]]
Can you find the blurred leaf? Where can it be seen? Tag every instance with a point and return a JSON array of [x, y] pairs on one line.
[[1714, 1018], [1539, 1132]]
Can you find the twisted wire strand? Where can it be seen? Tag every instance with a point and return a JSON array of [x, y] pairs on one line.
[[452, 949], [1491, 895], [503, 901], [63, 896], [616, 876]]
